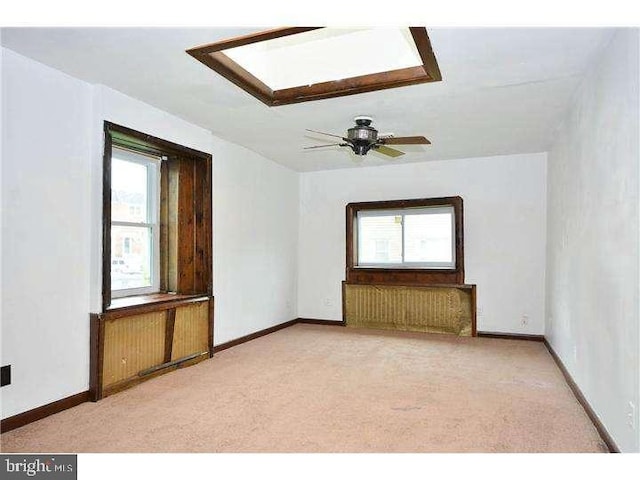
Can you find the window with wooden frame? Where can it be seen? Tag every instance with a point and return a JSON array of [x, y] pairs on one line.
[[405, 242], [135, 218], [156, 218]]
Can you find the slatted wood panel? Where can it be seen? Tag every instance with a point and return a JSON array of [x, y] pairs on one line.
[[132, 344], [191, 330], [186, 226], [442, 309]]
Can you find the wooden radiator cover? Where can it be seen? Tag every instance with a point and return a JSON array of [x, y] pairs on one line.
[[132, 344], [434, 308], [190, 334], [130, 347]]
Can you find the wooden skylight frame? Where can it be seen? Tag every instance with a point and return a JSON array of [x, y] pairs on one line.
[[212, 55]]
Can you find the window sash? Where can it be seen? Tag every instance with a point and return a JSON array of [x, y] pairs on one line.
[[152, 164], [405, 212]]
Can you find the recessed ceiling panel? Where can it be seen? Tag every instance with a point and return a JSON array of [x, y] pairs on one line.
[[292, 65], [327, 54]]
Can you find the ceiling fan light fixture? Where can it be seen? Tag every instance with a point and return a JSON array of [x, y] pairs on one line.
[[362, 136], [361, 148]]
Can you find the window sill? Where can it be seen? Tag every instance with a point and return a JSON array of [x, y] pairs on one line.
[[403, 268], [151, 302]]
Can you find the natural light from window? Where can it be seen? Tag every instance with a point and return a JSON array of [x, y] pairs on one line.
[[409, 238], [327, 54], [134, 232]]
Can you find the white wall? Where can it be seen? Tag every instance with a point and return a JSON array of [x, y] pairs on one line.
[[46, 200], [255, 242], [504, 226], [593, 234], [52, 212]]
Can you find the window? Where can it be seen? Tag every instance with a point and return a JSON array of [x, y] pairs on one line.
[[135, 234], [156, 219], [413, 237], [403, 242]]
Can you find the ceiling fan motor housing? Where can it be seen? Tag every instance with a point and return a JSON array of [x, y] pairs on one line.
[[362, 137]]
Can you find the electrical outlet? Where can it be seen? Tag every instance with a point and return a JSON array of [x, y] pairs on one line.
[[631, 416], [525, 320], [5, 376]]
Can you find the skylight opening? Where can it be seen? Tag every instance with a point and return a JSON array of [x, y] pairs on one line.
[[327, 54], [301, 64]]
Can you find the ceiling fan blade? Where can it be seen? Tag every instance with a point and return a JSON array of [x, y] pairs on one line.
[[327, 145], [405, 141], [390, 152], [323, 133]]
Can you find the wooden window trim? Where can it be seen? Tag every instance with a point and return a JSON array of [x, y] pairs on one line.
[[212, 56], [201, 211], [403, 276]]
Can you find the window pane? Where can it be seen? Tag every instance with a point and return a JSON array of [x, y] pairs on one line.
[[130, 257], [380, 239], [128, 191], [428, 238]]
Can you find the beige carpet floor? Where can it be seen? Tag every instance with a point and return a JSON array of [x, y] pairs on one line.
[[312, 388]]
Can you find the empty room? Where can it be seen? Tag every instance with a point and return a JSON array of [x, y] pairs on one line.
[[256, 239]]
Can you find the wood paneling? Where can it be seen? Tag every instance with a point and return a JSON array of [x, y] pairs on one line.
[[430, 64], [436, 309], [186, 234], [128, 306], [191, 332], [132, 344], [188, 224], [146, 143], [130, 382], [350, 86], [248, 39], [96, 356], [398, 276], [164, 227], [106, 218], [202, 228], [211, 310], [169, 330], [237, 75]]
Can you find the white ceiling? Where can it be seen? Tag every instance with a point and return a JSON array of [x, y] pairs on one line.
[[504, 90]]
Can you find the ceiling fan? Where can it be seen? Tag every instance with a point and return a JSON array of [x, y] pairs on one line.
[[363, 137]]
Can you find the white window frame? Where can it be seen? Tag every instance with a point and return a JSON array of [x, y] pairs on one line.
[[403, 212], [153, 217]]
